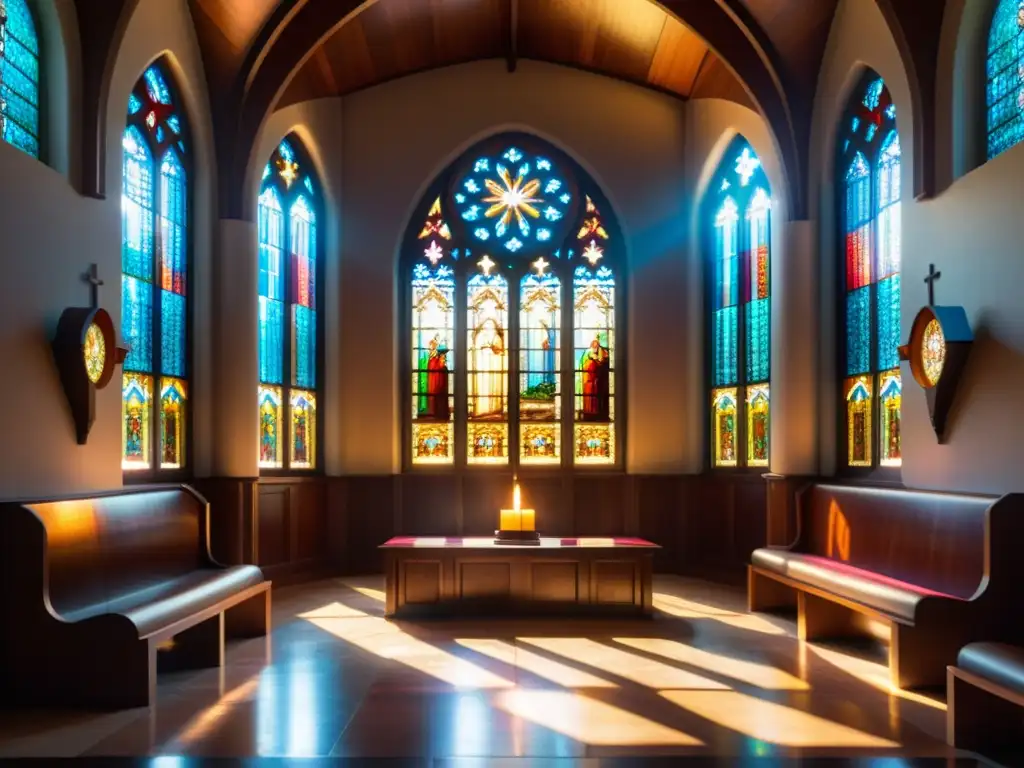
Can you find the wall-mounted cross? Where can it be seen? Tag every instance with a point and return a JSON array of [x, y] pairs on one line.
[[93, 278], [932, 277]]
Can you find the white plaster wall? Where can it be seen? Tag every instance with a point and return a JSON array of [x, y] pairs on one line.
[[398, 136], [51, 235]]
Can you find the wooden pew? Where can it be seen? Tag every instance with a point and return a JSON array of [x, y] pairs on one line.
[[985, 698], [929, 572], [94, 590]]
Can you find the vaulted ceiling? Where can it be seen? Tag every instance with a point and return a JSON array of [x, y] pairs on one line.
[[263, 54]]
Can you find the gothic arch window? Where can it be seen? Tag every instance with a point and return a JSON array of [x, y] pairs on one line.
[[1005, 91], [869, 170], [155, 307], [290, 322], [19, 76], [513, 304], [739, 216]]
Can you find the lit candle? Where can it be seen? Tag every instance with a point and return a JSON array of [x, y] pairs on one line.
[[517, 518]]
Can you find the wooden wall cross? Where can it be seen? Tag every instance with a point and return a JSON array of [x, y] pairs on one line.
[[932, 277], [93, 278]]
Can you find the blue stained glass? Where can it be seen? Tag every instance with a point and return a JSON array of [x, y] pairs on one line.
[[1003, 67], [172, 332], [725, 352], [758, 335], [890, 111], [889, 323], [19, 76], [271, 321], [174, 123], [309, 184], [543, 234], [137, 206], [304, 346], [271, 244], [855, 124], [156, 86], [286, 151], [134, 104], [858, 331], [873, 94], [137, 323], [872, 129]]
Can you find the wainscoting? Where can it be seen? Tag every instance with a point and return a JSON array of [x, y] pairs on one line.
[[302, 528]]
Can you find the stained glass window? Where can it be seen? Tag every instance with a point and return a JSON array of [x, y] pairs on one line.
[[872, 246], [511, 251], [154, 278], [289, 328], [19, 77], [1005, 81], [739, 278]]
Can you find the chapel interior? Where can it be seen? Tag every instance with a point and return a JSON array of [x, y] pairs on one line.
[[526, 382]]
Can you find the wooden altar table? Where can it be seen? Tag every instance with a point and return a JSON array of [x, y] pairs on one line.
[[456, 575]]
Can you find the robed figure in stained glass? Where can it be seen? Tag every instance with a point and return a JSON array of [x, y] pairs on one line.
[[594, 382], [434, 402], [488, 365]]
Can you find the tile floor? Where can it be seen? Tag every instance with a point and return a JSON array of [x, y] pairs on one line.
[[703, 679]]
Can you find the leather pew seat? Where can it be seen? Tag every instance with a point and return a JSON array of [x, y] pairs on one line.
[[998, 662], [161, 605], [883, 593]]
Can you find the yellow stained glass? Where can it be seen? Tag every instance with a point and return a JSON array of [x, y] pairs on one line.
[[433, 443], [302, 442], [933, 351], [723, 427], [173, 398], [539, 443], [136, 415], [858, 421], [95, 352], [891, 403], [488, 443], [594, 443], [271, 421], [758, 403]]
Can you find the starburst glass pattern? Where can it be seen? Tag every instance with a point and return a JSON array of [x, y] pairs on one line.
[[515, 200]]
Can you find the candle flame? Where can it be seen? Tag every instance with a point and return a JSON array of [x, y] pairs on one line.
[[515, 498]]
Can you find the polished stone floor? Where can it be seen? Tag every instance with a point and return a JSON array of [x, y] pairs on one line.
[[704, 679]]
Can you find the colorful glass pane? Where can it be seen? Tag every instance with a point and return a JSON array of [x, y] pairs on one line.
[[137, 323], [487, 365], [539, 443], [513, 200], [433, 443], [890, 405], [758, 423], [94, 352], [540, 346], [302, 240], [858, 421], [594, 353], [137, 205], [858, 331], [271, 287], [723, 427], [1005, 88], [302, 451], [888, 323], [933, 351], [136, 417], [594, 443], [271, 412], [858, 223], [433, 334], [488, 443], [173, 398], [19, 77]]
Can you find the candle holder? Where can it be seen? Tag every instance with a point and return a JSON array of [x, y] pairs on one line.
[[516, 525]]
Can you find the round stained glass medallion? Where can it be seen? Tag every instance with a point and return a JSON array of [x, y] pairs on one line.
[[933, 351], [94, 351], [513, 201]]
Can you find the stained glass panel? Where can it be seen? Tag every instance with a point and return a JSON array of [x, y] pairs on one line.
[[1005, 95], [933, 351], [137, 206], [725, 350], [303, 346], [19, 77], [271, 287], [858, 223], [136, 417], [594, 443], [271, 412], [487, 366], [302, 443], [758, 337], [540, 348], [488, 442], [594, 353], [758, 423], [433, 333], [891, 400], [539, 443], [858, 421], [137, 323], [723, 427], [858, 331], [888, 323], [172, 333], [173, 398]]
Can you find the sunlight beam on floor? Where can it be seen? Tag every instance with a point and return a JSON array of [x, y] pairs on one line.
[[541, 666], [873, 673], [589, 721], [772, 722], [760, 675], [688, 609], [622, 663]]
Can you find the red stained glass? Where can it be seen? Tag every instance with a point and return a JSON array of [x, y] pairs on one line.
[[762, 272], [858, 258], [301, 287]]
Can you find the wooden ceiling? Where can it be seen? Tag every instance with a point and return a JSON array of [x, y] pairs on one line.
[[633, 40]]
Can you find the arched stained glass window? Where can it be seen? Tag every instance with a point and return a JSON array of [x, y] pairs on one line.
[[19, 77], [869, 167], [289, 323], [154, 280], [739, 207], [512, 314], [1005, 86]]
